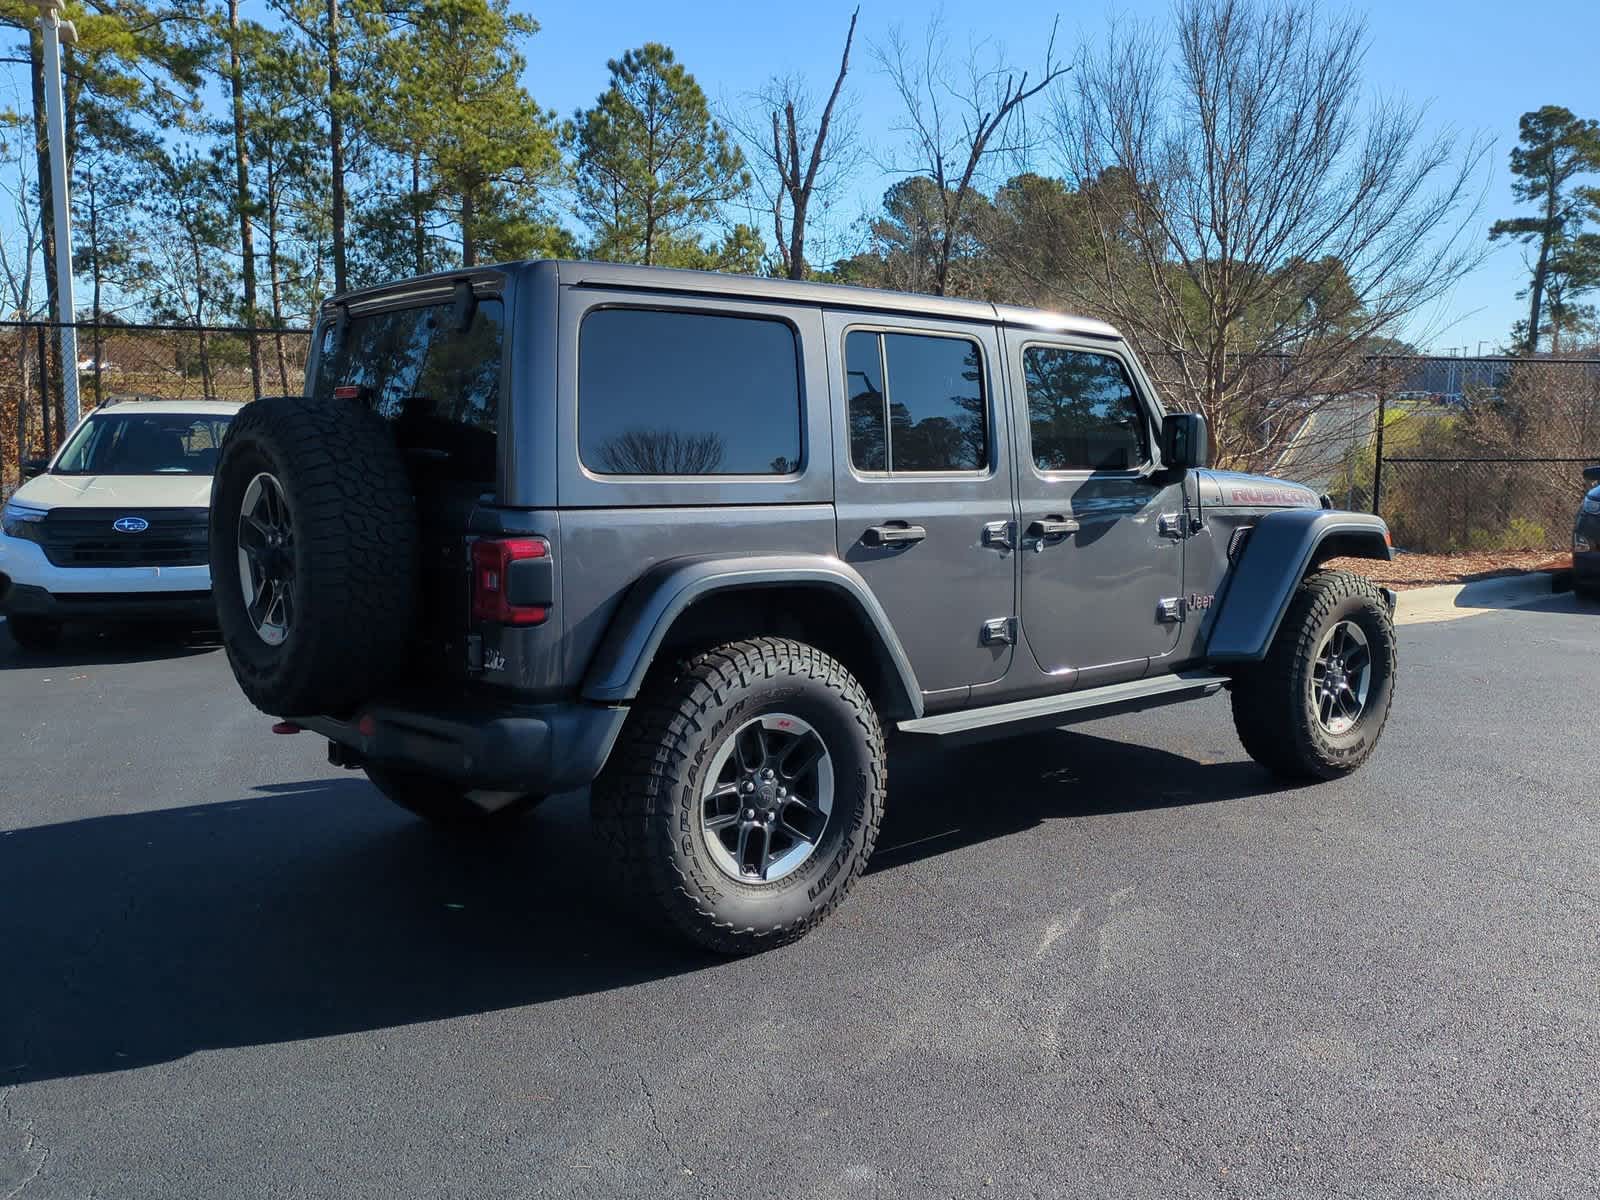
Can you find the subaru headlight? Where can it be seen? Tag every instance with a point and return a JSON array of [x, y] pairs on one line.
[[22, 521], [1591, 505]]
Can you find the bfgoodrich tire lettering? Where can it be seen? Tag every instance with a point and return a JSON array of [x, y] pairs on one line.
[[1276, 706], [648, 803], [349, 557]]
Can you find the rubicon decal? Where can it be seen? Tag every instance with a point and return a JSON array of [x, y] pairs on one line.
[[1268, 495]]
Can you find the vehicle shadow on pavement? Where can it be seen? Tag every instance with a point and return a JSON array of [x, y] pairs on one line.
[[316, 909], [108, 647], [996, 788]]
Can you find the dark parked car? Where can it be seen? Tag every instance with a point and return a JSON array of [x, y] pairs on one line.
[[1586, 540], [703, 541]]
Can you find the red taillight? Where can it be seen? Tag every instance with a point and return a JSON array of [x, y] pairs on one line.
[[347, 392], [507, 594]]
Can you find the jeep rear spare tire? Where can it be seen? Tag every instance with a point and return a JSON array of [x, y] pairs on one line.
[[313, 554]]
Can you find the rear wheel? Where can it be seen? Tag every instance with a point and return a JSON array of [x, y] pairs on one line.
[[448, 805], [1316, 706], [34, 633], [746, 794]]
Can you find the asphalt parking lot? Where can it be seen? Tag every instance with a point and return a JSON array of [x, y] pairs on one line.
[[1116, 961]]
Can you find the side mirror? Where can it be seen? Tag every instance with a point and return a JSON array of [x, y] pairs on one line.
[[1184, 441], [34, 466]]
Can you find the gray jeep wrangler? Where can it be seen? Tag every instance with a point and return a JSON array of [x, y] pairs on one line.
[[703, 542]]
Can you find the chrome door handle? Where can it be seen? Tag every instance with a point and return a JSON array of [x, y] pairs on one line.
[[893, 535], [1049, 527], [997, 534]]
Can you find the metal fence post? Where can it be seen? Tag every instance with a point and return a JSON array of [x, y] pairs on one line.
[[44, 390], [1377, 457]]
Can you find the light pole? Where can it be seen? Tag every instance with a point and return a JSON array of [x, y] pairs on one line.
[[56, 31]]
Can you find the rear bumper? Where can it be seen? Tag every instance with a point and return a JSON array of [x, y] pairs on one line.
[[27, 600], [541, 748]]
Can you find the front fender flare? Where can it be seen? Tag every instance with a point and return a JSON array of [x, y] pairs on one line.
[[662, 594], [1282, 547]]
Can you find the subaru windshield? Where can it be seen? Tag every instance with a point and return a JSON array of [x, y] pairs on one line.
[[144, 443]]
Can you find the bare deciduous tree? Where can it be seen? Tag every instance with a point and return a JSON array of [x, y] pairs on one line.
[[803, 163], [662, 452], [952, 125], [1245, 208]]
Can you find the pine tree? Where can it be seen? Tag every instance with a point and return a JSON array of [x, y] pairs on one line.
[[466, 137], [653, 169], [1556, 147]]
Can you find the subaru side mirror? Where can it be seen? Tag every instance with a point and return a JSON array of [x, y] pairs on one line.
[[34, 466], [1184, 441]]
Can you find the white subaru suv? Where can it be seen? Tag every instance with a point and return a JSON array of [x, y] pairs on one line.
[[115, 527]]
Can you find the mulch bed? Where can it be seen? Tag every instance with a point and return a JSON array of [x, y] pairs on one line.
[[1425, 570]]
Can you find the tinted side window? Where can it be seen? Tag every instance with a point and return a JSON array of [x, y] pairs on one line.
[[934, 405], [869, 443], [438, 384], [681, 393], [1082, 411]]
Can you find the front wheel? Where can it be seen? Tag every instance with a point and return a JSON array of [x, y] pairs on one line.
[[1316, 706], [745, 796]]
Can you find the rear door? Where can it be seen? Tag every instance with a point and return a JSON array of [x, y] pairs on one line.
[[434, 371], [1102, 529], [923, 490]]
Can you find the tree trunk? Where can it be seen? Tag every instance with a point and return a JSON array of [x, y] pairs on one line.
[[797, 238], [47, 228], [1541, 269], [419, 244], [241, 160], [469, 246], [341, 281], [200, 321]]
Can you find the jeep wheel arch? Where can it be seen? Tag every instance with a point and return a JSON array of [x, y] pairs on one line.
[[1283, 547], [652, 611]]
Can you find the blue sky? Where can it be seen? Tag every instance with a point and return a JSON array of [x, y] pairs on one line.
[[1478, 66]]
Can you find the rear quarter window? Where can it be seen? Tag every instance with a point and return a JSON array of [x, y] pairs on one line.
[[663, 392]]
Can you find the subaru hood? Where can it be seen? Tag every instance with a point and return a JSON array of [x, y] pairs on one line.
[[116, 491]]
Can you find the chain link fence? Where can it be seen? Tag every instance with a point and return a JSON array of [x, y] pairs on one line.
[[118, 360], [1455, 453]]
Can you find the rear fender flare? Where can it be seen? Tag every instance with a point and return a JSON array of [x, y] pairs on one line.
[[664, 592], [1282, 548]]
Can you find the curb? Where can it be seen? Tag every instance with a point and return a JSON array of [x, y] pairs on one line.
[[1449, 601]]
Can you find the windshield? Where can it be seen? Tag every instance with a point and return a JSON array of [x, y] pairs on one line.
[[143, 443]]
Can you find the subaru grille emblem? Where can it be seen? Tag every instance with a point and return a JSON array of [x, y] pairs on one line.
[[130, 525]]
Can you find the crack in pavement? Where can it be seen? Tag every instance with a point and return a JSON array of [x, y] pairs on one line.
[[655, 1123], [28, 1143]]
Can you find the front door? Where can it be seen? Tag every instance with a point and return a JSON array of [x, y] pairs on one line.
[[923, 492], [1102, 528]]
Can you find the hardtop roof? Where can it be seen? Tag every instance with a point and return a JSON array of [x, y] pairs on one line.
[[626, 276]]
